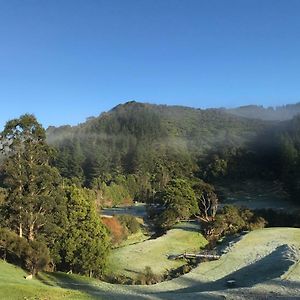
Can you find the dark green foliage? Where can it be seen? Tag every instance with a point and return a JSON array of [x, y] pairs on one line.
[[33, 186], [134, 138], [84, 243], [231, 220], [54, 222], [113, 194], [130, 223], [278, 150], [177, 202], [12, 246], [37, 257], [273, 154], [70, 160], [232, 162], [32, 255], [280, 218]]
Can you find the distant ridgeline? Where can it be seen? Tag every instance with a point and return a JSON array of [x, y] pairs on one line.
[[142, 146], [279, 113]]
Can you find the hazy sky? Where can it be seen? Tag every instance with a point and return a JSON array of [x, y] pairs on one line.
[[65, 60]]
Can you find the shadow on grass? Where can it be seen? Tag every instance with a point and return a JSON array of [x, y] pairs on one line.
[[132, 271], [191, 226], [43, 278], [105, 291], [266, 270]]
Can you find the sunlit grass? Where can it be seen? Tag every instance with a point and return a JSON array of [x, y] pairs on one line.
[[132, 259]]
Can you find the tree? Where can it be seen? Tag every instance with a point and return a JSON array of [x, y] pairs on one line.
[[31, 255], [207, 200], [84, 244], [178, 202], [231, 220], [33, 186]]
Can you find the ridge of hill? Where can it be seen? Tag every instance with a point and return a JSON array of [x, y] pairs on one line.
[[278, 113]]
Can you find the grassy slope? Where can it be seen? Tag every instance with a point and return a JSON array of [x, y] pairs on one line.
[[255, 262], [134, 238], [131, 260], [13, 285], [260, 267]]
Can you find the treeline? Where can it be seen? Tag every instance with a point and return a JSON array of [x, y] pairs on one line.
[[45, 222]]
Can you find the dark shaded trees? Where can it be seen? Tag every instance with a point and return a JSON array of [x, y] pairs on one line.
[[231, 220], [177, 202], [138, 138], [34, 256]]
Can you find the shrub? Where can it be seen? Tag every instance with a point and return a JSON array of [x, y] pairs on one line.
[[231, 220], [36, 257], [148, 277], [130, 223], [32, 255], [117, 231]]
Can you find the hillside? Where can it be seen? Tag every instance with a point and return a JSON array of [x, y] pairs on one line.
[[270, 269], [14, 286], [139, 138], [135, 148]]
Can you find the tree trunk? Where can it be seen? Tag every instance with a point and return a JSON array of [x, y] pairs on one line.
[[31, 232], [20, 230]]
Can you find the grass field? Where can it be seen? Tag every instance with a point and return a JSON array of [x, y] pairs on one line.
[[13, 286], [132, 260], [265, 264]]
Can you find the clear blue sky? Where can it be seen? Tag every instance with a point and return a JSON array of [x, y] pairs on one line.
[[65, 60]]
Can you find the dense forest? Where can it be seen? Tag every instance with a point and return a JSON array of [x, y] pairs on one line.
[[143, 146], [135, 149], [54, 182]]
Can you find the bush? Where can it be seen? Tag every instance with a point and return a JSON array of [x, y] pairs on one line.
[[118, 279], [37, 257], [117, 231], [32, 255], [231, 220], [130, 223], [148, 277]]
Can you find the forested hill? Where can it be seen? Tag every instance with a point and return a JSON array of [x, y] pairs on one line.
[[137, 138], [279, 113]]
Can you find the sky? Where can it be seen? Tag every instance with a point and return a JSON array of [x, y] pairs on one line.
[[66, 60]]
